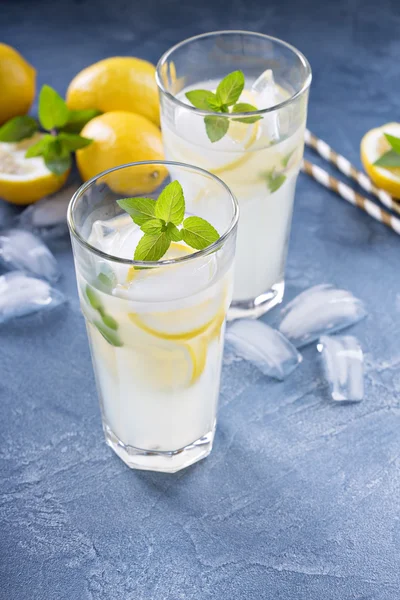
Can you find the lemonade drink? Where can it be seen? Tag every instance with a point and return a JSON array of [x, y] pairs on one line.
[[155, 333], [259, 160]]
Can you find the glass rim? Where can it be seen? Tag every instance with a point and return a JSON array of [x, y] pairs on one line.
[[263, 111], [152, 264]]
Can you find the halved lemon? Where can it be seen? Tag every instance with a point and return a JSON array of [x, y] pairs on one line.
[[373, 145], [167, 367], [175, 250], [173, 325], [25, 180]]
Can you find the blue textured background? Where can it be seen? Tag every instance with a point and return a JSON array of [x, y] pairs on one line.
[[300, 498]]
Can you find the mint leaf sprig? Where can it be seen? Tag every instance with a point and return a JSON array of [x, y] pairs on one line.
[[160, 221], [60, 125], [391, 158], [226, 97]]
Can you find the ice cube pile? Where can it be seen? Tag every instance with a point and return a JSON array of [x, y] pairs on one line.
[[313, 315], [22, 250], [22, 294], [27, 288], [48, 217]]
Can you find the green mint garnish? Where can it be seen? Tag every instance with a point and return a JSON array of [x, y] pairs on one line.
[[286, 159], [170, 205], [108, 320], [107, 281], [108, 334], [93, 298], [18, 129], [274, 180], [159, 221], [174, 233], [109, 325], [61, 127], [77, 119], [242, 107], [200, 98], [53, 111], [230, 88], [198, 233], [227, 95], [153, 226], [391, 158], [216, 128], [152, 247], [140, 209]]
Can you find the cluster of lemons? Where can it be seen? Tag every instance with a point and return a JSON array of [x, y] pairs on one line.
[[122, 88]]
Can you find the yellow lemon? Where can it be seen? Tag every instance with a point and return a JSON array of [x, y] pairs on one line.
[[25, 180], [117, 83], [373, 145], [17, 84], [119, 138]]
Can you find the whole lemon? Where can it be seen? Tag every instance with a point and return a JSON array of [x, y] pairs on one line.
[[118, 138], [17, 84], [117, 83]]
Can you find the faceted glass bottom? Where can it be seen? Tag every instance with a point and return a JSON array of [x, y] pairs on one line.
[[164, 462], [252, 309]]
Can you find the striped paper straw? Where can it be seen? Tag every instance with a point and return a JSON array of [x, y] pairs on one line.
[[348, 169], [346, 192]]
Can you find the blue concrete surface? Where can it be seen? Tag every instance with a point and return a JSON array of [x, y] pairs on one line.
[[300, 498]]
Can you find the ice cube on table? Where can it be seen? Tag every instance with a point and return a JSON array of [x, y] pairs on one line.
[[342, 359], [22, 294], [267, 95], [263, 346], [48, 217], [23, 250], [320, 310]]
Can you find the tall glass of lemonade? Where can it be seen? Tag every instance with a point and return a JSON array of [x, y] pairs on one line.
[[235, 103], [155, 327]]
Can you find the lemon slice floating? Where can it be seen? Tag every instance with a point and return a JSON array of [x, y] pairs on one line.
[[373, 145], [25, 180]]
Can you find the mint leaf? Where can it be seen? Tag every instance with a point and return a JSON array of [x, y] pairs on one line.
[[93, 298], [153, 226], [40, 147], [215, 105], [53, 111], [198, 233], [230, 88], [274, 180], [173, 232], [18, 129], [73, 142], [242, 107], [170, 205], [285, 160], [152, 247], [200, 98], [108, 320], [108, 334], [140, 209], [77, 119], [394, 142], [57, 158], [107, 281], [216, 127], [389, 159]]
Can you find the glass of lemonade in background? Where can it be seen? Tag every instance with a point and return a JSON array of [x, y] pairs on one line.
[[156, 329], [258, 158]]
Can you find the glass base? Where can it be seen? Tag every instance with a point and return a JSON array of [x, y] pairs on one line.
[[252, 309], [164, 462]]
